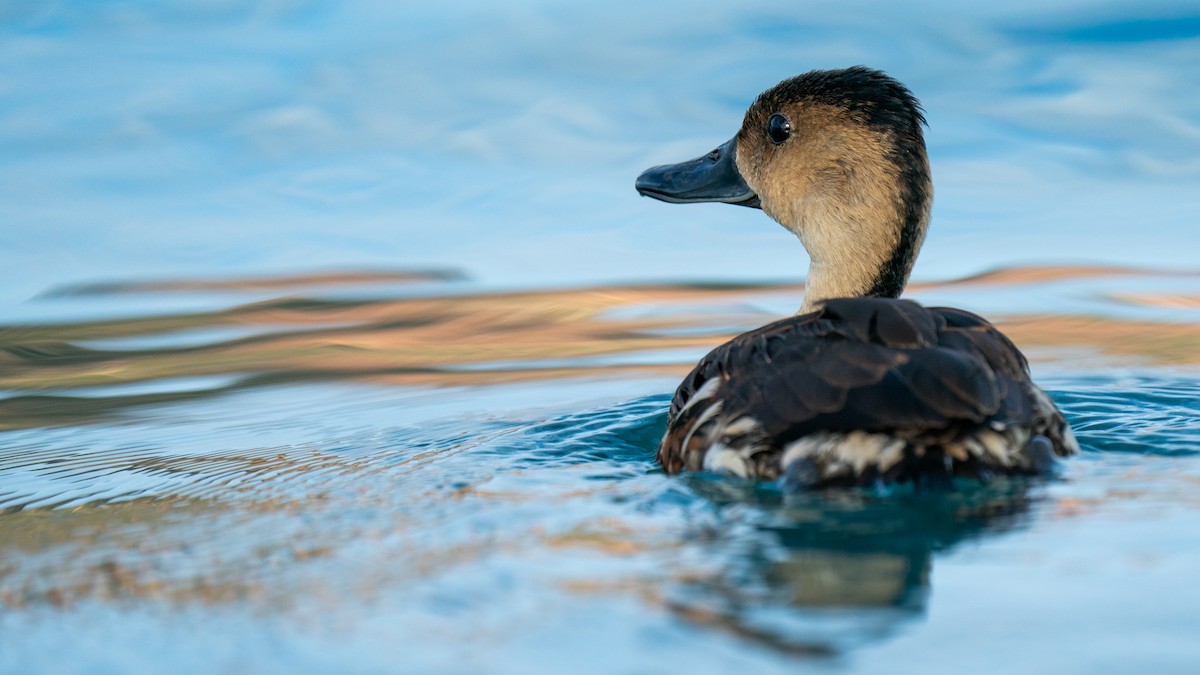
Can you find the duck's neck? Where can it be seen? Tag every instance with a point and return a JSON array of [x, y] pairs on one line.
[[866, 246], [827, 281], [868, 266]]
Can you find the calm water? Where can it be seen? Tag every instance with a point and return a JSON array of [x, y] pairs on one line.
[[336, 340]]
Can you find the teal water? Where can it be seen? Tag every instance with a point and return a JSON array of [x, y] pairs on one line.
[[308, 535], [335, 339]]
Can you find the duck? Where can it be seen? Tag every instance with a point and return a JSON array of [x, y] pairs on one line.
[[860, 387]]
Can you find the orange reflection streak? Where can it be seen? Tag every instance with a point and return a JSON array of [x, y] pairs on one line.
[[473, 339]]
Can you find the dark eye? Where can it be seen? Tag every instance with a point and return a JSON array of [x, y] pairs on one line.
[[779, 129]]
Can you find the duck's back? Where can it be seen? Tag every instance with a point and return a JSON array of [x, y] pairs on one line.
[[865, 389]]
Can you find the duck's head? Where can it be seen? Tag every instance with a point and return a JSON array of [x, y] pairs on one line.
[[835, 156]]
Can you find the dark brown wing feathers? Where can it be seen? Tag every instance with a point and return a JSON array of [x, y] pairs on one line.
[[860, 364]]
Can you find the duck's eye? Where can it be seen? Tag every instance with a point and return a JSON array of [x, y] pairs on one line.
[[779, 129]]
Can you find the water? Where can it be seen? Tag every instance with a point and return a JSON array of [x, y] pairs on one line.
[[336, 339]]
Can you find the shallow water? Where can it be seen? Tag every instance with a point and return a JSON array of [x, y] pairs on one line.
[[253, 418]]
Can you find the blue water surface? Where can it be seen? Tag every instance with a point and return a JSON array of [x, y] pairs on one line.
[[220, 450]]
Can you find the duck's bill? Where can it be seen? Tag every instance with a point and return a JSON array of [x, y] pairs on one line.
[[711, 178]]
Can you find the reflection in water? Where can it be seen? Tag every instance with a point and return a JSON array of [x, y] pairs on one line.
[[68, 373], [368, 521], [820, 574]]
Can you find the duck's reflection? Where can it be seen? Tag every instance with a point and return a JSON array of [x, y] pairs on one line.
[[822, 573]]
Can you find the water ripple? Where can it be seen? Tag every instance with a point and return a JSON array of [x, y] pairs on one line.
[[1139, 414]]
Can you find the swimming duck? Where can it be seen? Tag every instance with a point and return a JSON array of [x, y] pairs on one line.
[[859, 387]]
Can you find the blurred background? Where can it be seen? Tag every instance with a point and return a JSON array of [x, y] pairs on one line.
[[202, 138], [332, 327]]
